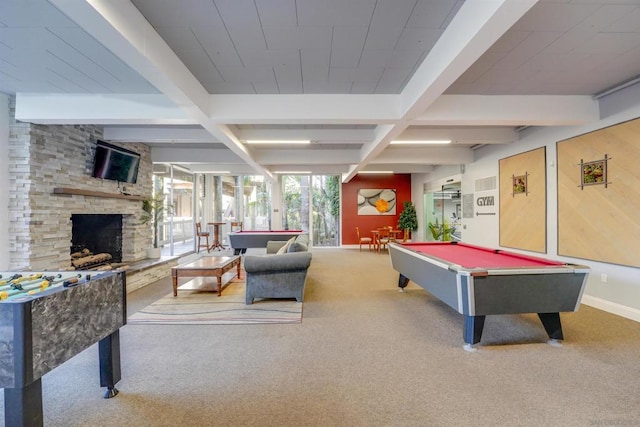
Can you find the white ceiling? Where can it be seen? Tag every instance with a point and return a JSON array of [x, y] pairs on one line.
[[197, 78]]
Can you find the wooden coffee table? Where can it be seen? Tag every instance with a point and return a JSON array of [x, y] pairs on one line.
[[220, 267]]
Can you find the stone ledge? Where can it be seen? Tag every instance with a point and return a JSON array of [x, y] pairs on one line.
[[150, 263], [147, 271]]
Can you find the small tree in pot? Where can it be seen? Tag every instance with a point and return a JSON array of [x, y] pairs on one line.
[[408, 220]]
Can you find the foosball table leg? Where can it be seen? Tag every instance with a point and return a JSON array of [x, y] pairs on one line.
[[109, 352], [23, 406]]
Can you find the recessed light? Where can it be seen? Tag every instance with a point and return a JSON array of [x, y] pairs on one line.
[[421, 142], [278, 141]]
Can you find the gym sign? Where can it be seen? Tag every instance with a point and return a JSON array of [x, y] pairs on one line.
[[485, 201]]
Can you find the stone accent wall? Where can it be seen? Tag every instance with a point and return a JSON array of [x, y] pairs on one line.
[[43, 157]]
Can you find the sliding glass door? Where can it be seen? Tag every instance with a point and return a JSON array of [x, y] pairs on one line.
[[176, 228]]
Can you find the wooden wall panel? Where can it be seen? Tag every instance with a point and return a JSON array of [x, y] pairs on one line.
[[523, 216], [597, 222]]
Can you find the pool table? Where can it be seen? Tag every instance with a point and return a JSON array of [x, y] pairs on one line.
[[241, 240], [478, 281]]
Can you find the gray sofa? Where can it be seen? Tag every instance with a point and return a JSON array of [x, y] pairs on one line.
[[278, 275]]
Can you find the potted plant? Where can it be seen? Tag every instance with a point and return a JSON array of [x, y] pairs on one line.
[[153, 213], [408, 220], [441, 231]]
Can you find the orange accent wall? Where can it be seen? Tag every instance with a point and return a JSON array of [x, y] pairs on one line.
[[350, 218]]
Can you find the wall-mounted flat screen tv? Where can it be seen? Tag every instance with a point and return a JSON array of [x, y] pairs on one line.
[[115, 163]]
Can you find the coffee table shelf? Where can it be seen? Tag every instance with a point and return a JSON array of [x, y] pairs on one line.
[[219, 267], [207, 284]]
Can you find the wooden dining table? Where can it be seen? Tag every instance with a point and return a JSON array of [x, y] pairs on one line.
[[393, 235]]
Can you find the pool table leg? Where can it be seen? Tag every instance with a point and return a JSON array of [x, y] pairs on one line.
[[551, 323], [473, 326], [403, 281]]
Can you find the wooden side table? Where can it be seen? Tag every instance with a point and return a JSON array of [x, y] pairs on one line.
[[216, 236]]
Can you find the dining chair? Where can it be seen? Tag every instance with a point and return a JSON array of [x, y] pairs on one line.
[[392, 234], [383, 238], [236, 226], [365, 240], [202, 235]]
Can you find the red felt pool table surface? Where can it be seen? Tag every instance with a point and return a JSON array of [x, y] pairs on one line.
[[268, 231], [470, 256]]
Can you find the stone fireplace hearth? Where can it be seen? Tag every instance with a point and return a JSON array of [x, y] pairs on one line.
[[97, 233], [52, 237]]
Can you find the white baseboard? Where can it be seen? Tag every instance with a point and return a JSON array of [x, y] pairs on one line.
[[612, 307]]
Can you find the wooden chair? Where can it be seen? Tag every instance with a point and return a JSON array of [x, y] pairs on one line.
[[392, 234], [202, 235], [365, 240], [236, 226], [383, 238]]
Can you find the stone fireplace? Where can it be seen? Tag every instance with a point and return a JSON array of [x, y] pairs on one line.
[[97, 233], [51, 182]]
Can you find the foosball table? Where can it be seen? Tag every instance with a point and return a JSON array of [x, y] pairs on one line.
[[44, 321]]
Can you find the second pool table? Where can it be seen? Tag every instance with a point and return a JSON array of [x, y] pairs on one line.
[[241, 240], [478, 281]]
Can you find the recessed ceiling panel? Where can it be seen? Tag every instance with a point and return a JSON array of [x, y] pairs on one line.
[[314, 37], [335, 12], [277, 13]]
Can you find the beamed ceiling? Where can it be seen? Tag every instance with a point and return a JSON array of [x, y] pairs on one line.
[[196, 79]]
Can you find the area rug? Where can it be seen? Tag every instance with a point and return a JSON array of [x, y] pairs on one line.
[[207, 308]]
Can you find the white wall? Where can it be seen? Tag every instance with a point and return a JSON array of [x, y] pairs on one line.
[[4, 181], [417, 182], [621, 293]]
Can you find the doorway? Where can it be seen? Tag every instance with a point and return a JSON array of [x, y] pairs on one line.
[[443, 208]]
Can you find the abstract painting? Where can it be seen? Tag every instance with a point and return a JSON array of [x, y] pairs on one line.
[[376, 201]]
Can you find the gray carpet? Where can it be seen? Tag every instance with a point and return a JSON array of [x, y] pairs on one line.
[[365, 355], [196, 307]]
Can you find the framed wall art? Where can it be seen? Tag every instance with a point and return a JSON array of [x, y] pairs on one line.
[[376, 201], [594, 173], [520, 184]]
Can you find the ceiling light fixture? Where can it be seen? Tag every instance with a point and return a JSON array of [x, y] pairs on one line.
[[421, 142], [376, 172], [278, 141]]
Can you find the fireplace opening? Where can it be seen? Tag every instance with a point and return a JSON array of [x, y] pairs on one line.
[[98, 234]]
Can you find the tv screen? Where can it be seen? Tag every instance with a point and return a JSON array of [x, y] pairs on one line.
[[115, 163]]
